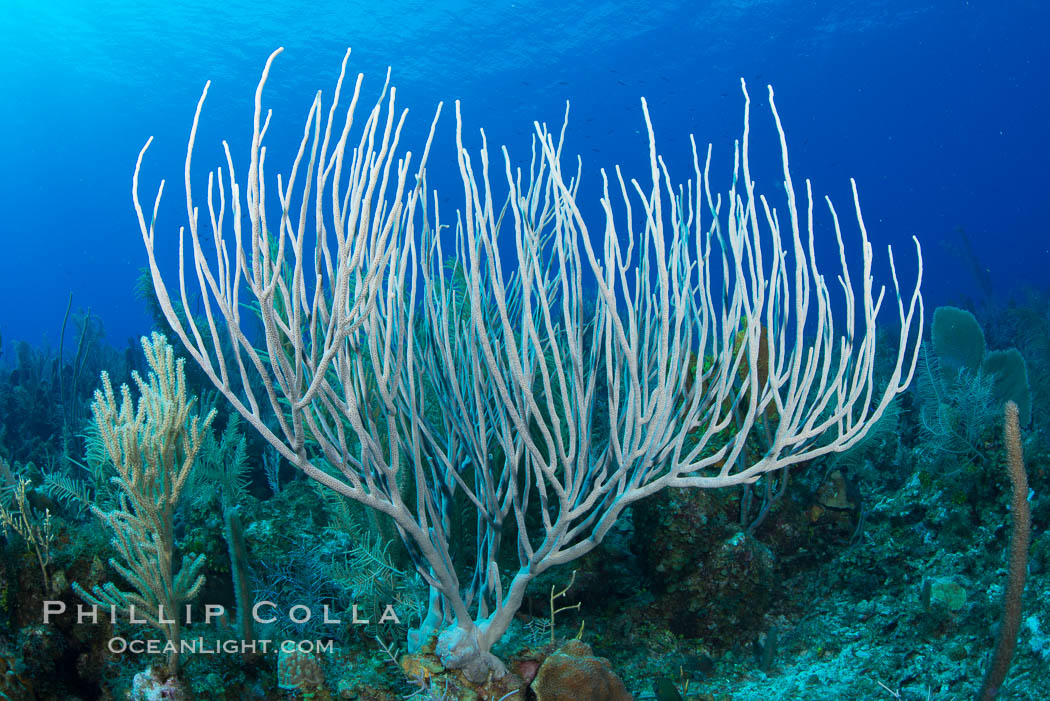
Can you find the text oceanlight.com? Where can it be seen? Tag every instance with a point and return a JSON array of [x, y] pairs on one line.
[[204, 646]]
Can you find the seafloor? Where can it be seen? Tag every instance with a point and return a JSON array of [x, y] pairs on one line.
[[874, 574]]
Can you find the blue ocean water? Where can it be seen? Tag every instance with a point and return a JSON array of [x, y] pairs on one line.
[[937, 108]]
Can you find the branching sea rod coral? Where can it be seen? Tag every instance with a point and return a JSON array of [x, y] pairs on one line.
[[152, 444], [419, 382]]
